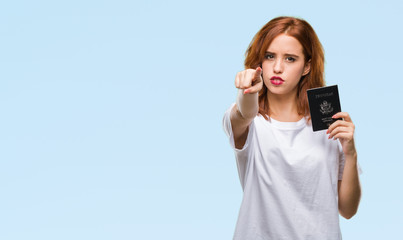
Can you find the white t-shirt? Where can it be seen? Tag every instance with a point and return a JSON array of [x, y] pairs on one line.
[[289, 177]]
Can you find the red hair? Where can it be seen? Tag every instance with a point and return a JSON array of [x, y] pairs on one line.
[[312, 50]]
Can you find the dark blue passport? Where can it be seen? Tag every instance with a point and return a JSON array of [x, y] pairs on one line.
[[324, 102]]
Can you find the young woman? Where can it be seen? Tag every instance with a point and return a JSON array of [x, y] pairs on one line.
[[295, 181]]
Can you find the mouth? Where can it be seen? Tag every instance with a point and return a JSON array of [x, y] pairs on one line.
[[276, 80]]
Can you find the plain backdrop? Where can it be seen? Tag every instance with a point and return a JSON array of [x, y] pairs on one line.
[[110, 123]]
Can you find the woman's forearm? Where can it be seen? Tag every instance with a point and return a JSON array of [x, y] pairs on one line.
[[247, 104], [349, 189]]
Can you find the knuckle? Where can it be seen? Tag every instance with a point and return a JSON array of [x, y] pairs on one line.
[[244, 84]]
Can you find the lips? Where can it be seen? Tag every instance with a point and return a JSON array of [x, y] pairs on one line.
[[276, 80]]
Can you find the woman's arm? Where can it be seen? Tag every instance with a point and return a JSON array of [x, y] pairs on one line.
[[349, 188], [249, 82]]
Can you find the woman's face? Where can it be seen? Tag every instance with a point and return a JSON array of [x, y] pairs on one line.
[[284, 65]]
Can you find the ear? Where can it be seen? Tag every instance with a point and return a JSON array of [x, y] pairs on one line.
[[307, 68]]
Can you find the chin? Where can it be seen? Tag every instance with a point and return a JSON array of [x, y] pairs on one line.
[[276, 90], [280, 90]]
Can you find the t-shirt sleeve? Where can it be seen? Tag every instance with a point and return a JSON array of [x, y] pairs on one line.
[[244, 154]]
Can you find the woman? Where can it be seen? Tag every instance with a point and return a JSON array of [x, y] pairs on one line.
[[295, 181]]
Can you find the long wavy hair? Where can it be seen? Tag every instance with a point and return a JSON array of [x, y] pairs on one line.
[[312, 50]]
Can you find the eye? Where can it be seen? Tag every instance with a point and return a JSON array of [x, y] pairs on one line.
[[290, 59], [269, 56]]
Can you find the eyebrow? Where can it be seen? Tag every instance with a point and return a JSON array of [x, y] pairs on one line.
[[287, 54]]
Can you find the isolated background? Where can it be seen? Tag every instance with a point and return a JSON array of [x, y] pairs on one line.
[[111, 113]]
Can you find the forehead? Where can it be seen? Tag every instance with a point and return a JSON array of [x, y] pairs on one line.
[[285, 44]]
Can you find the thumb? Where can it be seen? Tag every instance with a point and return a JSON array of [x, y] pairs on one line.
[[254, 89]]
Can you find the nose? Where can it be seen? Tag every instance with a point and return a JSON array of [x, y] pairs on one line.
[[278, 66]]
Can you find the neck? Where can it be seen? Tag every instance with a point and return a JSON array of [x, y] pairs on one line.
[[283, 107]]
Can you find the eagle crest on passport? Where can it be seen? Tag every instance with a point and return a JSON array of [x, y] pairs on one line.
[[325, 107]]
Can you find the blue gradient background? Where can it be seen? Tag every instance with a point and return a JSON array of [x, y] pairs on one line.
[[111, 113]]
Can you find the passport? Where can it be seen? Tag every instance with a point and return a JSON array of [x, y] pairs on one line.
[[324, 102]]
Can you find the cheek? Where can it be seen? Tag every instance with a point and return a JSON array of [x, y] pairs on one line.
[[265, 66], [296, 72], [265, 74], [266, 69]]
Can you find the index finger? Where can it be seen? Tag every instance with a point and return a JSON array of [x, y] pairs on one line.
[[346, 117], [258, 73]]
